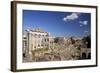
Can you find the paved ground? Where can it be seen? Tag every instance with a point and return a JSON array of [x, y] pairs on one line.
[[58, 53]]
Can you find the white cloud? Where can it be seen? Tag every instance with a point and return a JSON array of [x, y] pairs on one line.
[[86, 31], [81, 25], [72, 16], [84, 22]]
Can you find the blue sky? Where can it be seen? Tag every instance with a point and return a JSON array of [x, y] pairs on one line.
[[58, 23]]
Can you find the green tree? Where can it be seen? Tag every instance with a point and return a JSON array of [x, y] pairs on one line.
[[56, 40], [72, 40]]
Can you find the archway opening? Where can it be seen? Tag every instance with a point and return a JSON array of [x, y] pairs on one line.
[[83, 55], [89, 56]]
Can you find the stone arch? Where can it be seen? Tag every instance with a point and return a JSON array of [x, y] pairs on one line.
[[83, 55]]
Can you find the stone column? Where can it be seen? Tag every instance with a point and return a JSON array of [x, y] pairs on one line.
[[29, 44]]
